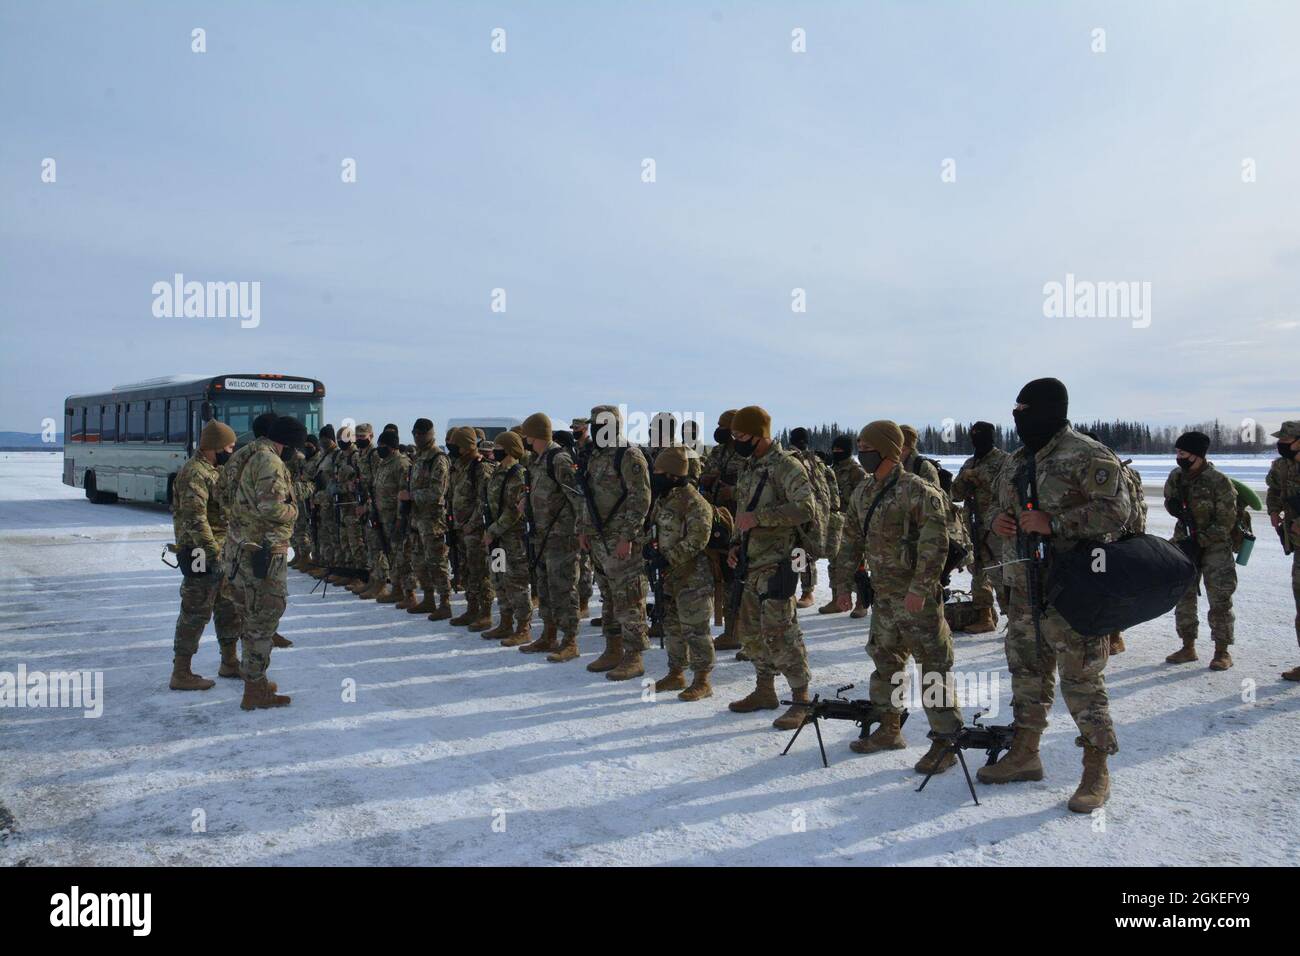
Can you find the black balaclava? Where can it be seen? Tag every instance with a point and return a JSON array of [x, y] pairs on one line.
[[1047, 405], [799, 438], [841, 448], [981, 437]]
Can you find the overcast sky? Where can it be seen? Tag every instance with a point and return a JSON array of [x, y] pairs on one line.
[[774, 171]]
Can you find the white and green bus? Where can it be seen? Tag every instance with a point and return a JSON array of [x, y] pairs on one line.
[[130, 442]]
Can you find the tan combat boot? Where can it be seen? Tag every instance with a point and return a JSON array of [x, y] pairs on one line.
[[888, 736], [392, 596], [372, 589], [832, 606], [1020, 762], [762, 697], [503, 629], [427, 604], [260, 694], [470, 614], [699, 689], [628, 668], [727, 640], [858, 611], [1293, 674], [185, 679], [229, 661], [610, 657], [1186, 655], [794, 716], [279, 640], [805, 599], [584, 612], [986, 621], [407, 601], [1117, 643], [443, 611], [544, 644], [1222, 660], [521, 635], [675, 679], [1094, 788], [357, 586], [567, 651], [483, 620], [937, 759]]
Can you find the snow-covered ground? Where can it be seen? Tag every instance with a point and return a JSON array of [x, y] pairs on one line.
[[457, 751]]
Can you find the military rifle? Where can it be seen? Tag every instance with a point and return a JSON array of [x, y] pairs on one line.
[[993, 740], [1030, 547], [654, 569], [1290, 513], [862, 712], [742, 559]]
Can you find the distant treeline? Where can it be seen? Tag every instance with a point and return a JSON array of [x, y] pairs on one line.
[[1134, 438]]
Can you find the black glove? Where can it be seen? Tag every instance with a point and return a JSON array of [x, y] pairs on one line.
[[1174, 507], [261, 562]]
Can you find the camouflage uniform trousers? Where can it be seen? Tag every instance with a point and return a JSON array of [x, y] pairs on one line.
[[896, 635], [301, 535], [769, 631], [623, 588], [1218, 569], [376, 557], [329, 536], [982, 580], [203, 598], [688, 612], [1081, 661], [834, 532], [512, 579], [586, 578], [353, 540], [557, 582], [474, 569], [429, 556], [264, 603], [399, 550]]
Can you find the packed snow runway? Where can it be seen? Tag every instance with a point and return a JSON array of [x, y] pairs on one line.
[[457, 751]]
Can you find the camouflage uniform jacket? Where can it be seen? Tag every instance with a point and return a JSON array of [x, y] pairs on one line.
[[906, 544], [1080, 486], [325, 474], [198, 520], [468, 478], [922, 467], [976, 484], [265, 508], [786, 502], [347, 473], [228, 478], [1283, 481], [848, 475], [555, 504], [429, 478], [620, 522], [684, 519], [1213, 502], [723, 465], [391, 476], [504, 490]]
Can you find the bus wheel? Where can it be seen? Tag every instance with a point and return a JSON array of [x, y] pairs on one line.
[[94, 494]]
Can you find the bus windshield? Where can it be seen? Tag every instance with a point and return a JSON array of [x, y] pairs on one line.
[[239, 413]]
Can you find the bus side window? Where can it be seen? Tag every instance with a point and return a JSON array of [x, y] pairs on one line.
[[92, 424], [157, 420], [134, 427], [177, 421], [108, 423]]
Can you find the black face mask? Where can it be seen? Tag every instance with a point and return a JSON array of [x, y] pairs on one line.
[[721, 435], [661, 484], [499, 454], [983, 442], [1044, 414], [310, 452], [1184, 463], [286, 453], [363, 442], [223, 457], [453, 451], [870, 460], [384, 451], [345, 445], [1285, 450], [839, 454], [745, 449]]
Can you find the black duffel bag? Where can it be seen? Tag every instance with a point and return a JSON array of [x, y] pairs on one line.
[[1144, 577]]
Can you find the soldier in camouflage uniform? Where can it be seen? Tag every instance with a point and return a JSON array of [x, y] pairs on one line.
[[897, 524], [551, 511], [503, 495], [718, 484], [975, 486], [616, 483], [427, 490], [1082, 496], [1204, 502], [820, 476], [915, 463], [469, 474], [367, 513], [848, 475], [301, 531], [392, 475], [773, 497], [323, 497], [351, 532], [310, 560], [683, 521], [264, 514], [586, 576], [199, 523], [1283, 505]]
